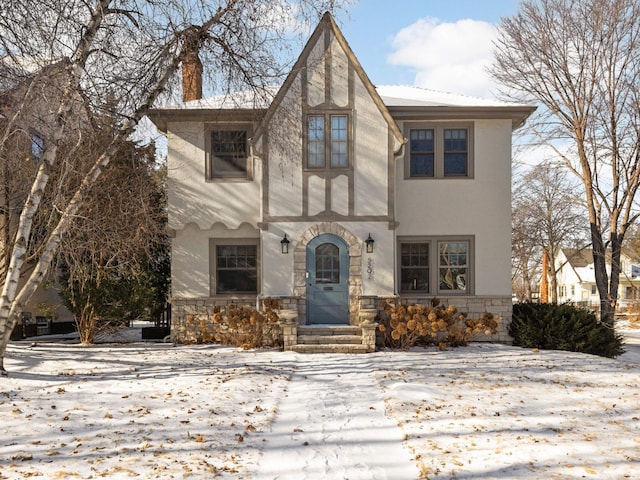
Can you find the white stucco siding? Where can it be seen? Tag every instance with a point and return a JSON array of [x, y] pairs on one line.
[[190, 263], [340, 195], [316, 196], [339, 75], [285, 155], [316, 73], [278, 269], [479, 206], [378, 266], [371, 147], [191, 198], [190, 258]]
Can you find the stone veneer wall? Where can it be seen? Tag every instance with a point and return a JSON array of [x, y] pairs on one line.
[[191, 320], [191, 317], [501, 307]]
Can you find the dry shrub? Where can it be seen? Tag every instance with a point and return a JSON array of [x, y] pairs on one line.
[[633, 315], [405, 325], [245, 327]]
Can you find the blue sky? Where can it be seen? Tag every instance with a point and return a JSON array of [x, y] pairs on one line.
[[438, 44]]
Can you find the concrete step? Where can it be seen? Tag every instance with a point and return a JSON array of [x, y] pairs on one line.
[[336, 348], [326, 330], [329, 339]]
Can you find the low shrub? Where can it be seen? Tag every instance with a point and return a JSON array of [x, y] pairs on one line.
[[246, 327], [404, 325], [563, 327]]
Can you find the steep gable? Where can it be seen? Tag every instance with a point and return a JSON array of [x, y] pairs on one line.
[[313, 64]]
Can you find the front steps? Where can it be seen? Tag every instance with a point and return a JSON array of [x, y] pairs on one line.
[[329, 339]]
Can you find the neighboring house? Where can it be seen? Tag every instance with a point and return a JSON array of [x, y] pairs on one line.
[[336, 194], [26, 120], [577, 282]]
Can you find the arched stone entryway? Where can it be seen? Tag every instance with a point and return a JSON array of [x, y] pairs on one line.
[[355, 266]]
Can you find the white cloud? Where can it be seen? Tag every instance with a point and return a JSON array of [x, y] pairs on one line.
[[450, 57]]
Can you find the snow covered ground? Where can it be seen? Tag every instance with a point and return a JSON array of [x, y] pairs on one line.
[[154, 410]]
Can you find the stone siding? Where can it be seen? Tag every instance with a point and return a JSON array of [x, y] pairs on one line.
[[474, 307], [192, 323]]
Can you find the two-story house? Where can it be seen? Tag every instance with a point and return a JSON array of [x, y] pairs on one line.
[[577, 280], [336, 193]]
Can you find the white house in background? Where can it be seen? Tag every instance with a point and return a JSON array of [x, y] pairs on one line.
[[577, 282], [335, 193]]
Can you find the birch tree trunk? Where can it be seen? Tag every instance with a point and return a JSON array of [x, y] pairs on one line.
[[121, 57]]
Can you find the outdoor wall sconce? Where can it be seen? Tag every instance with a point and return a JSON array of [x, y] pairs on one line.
[[284, 244], [369, 242]]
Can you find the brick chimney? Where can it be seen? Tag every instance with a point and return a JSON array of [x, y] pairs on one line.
[[191, 77]]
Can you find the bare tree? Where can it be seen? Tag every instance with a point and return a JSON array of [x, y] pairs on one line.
[[581, 60], [549, 210], [525, 254], [116, 242], [123, 56]]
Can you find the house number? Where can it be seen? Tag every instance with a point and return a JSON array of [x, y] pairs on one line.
[[370, 271]]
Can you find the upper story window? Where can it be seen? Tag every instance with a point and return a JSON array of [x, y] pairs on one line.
[[327, 141], [436, 151], [227, 154]]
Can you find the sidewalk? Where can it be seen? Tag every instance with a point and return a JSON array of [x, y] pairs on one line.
[[331, 425]]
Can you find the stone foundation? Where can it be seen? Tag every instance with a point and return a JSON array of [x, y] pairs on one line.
[[191, 318], [474, 307], [192, 323]]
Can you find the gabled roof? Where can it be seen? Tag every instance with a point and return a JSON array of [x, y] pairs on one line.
[[578, 257], [393, 101], [407, 103], [327, 23]]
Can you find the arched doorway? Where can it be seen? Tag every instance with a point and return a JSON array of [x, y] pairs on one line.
[[327, 280]]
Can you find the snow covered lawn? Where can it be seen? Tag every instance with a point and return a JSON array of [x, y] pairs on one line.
[[152, 410]]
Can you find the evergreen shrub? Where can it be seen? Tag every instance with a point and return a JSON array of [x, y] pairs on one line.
[[563, 327]]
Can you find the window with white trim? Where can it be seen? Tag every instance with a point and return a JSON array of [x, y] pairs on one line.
[[439, 151], [327, 137], [435, 265]]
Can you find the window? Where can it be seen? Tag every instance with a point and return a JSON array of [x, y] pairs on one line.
[[37, 145], [593, 289], [227, 154], [234, 266], [435, 151], [414, 267], [435, 266], [422, 151], [453, 267], [573, 290], [327, 141], [327, 263], [456, 152]]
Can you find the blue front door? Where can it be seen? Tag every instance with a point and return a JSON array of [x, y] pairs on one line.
[[327, 280]]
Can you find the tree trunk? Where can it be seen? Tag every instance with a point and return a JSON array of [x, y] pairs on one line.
[[11, 302]]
